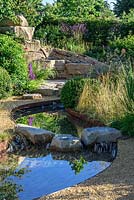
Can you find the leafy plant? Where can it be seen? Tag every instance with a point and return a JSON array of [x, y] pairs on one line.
[[126, 44], [78, 165], [31, 9], [123, 6], [37, 76], [73, 8], [5, 83], [12, 59]]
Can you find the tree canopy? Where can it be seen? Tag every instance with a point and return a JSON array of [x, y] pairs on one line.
[[75, 8], [123, 6], [31, 9]]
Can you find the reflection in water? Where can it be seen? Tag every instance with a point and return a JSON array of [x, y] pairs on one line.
[[57, 122], [48, 175], [8, 188]]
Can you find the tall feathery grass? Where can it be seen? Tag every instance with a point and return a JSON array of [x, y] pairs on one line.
[[112, 100]]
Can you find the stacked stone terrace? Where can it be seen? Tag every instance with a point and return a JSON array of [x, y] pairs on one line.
[[66, 64]]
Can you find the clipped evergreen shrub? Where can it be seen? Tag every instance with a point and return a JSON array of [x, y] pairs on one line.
[[5, 83], [12, 59], [71, 92]]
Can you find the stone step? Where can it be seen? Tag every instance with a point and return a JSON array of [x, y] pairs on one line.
[[65, 69], [51, 87]]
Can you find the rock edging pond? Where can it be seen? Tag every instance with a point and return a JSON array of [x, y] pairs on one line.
[[68, 142]]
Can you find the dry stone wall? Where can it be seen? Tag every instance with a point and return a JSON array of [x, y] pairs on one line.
[[65, 63]]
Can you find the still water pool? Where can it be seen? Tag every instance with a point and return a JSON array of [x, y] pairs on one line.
[[52, 172], [48, 175]]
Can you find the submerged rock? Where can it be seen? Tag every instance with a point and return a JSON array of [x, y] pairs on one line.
[[65, 143], [35, 135], [99, 134]]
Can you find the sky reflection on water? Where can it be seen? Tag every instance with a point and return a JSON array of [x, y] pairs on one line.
[[48, 175]]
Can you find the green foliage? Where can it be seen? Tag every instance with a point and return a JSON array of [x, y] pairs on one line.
[[125, 124], [71, 92], [78, 165], [75, 8], [91, 42], [123, 6], [31, 9], [57, 123], [128, 17], [5, 83], [111, 100], [51, 35], [128, 76], [126, 43], [40, 76], [12, 59]]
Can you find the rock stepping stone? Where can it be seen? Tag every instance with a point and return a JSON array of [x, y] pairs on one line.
[[65, 143], [100, 134], [51, 87], [34, 134]]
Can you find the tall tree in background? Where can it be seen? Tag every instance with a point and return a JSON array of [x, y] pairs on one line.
[[123, 6], [76, 8]]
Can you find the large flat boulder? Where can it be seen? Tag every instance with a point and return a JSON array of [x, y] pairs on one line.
[[99, 134], [51, 87], [79, 64], [35, 135], [77, 68], [65, 143]]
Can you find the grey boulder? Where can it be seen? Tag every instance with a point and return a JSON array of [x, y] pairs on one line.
[[99, 134], [35, 135], [65, 143]]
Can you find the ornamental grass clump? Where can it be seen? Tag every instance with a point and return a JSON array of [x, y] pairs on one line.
[[112, 101]]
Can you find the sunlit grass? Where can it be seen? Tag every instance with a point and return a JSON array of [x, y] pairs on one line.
[[113, 99]]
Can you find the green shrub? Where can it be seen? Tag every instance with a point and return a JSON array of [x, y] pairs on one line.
[[125, 124], [12, 59], [71, 92], [5, 83], [51, 35], [126, 43]]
